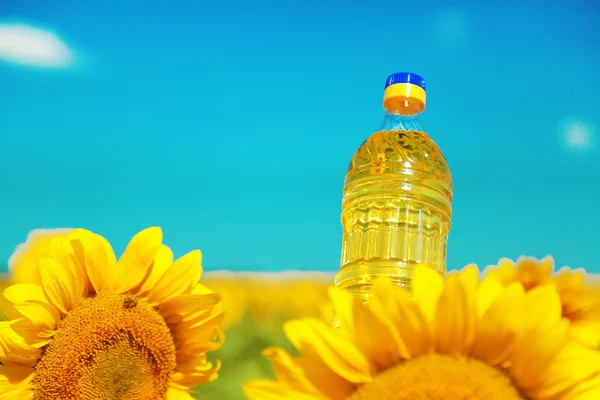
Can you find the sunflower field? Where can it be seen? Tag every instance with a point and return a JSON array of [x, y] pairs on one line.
[[78, 320]]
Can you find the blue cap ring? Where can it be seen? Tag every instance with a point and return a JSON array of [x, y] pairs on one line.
[[405, 77]]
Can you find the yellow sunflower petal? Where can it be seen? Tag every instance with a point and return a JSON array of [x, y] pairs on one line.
[[201, 289], [271, 390], [202, 337], [575, 364], [507, 270], [308, 376], [18, 390], [63, 253], [190, 374], [546, 265], [372, 337], [60, 285], [343, 302], [542, 306], [415, 331], [162, 261], [24, 262], [288, 373], [24, 334], [586, 332], [529, 372], [14, 347], [42, 315], [22, 292], [19, 393], [315, 339], [134, 265], [498, 329], [382, 309], [98, 257], [454, 318], [29, 301], [178, 394], [545, 334], [188, 307], [180, 278], [487, 292], [469, 276], [12, 374], [592, 394], [32, 337], [198, 364], [207, 319], [532, 272], [428, 285], [586, 390]]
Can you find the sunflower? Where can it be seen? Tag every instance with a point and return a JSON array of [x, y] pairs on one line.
[[90, 327], [454, 339], [580, 299]]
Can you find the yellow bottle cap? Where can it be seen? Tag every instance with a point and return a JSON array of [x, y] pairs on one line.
[[402, 88]]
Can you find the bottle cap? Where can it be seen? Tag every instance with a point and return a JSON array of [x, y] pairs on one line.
[[402, 87], [405, 77]]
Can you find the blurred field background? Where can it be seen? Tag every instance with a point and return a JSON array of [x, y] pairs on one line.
[[257, 304]]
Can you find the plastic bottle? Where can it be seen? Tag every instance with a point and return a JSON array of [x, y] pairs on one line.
[[397, 202]]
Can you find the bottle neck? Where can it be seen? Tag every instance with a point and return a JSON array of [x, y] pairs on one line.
[[402, 116]]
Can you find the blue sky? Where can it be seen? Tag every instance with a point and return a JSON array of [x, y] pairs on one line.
[[230, 124]]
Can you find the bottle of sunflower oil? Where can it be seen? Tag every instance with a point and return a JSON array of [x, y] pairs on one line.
[[396, 207]]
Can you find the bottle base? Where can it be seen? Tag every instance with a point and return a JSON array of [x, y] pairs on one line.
[[359, 278]]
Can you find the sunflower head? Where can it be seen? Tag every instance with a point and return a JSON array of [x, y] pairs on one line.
[[530, 271], [454, 339], [85, 325], [580, 298]]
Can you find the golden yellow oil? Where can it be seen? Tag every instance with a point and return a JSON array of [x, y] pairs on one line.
[[396, 210]]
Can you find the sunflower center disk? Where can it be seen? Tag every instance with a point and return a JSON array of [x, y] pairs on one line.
[[440, 377], [109, 346]]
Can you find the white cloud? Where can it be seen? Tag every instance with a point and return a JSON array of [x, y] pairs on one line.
[[27, 45], [577, 135]]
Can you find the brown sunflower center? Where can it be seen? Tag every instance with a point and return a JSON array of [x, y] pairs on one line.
[[440, 377], [109, 346]]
